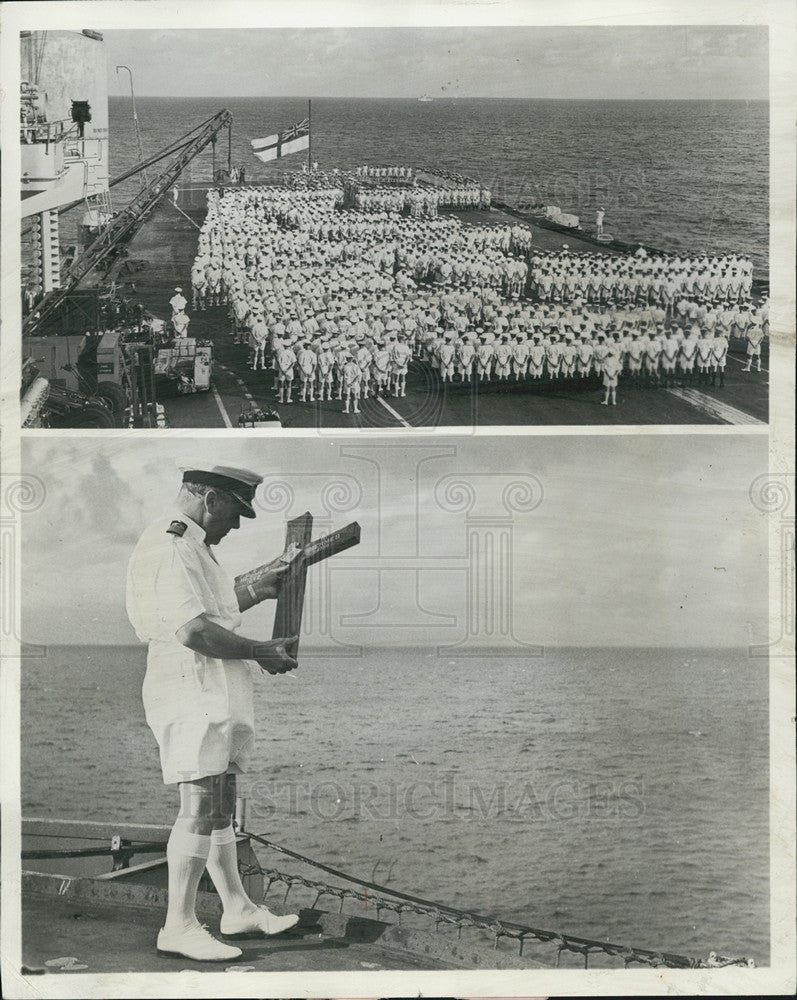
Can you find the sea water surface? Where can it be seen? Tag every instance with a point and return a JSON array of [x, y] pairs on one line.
[[683, 176], [619, 794]]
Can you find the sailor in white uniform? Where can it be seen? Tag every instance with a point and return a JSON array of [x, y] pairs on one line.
[[180, 323], [352, 376], [754, 337], [326, 361], [286, 362], [400, 354], [520, 356], [381, 367], [178, 302], [719, 355], [447, 356], [198, 694], [308, 362], [466, 353]]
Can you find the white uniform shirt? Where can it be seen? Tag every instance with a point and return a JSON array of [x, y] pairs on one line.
[[178, 302], [198, 707]]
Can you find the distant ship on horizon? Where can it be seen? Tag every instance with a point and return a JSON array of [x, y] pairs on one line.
[[425, 99]]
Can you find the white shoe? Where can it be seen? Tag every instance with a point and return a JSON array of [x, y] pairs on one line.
[[262, 921], [196, 943]]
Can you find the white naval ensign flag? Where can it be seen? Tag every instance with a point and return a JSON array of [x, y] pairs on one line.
[[292, 140]]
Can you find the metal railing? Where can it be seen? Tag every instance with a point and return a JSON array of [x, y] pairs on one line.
[[46, 133]]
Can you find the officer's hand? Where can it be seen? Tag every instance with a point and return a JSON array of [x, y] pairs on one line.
[[278, 656], [271, 582]]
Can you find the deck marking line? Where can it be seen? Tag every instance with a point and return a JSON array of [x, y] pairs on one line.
[[177, 207], [222, 410], [715, 407], [241, 384], [390, 410]]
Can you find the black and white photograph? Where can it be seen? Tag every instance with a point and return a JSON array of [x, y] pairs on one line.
[[524, 726], [395, 228], [397, 499]]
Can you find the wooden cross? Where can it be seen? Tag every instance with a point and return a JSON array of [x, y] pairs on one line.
[[290, 602]]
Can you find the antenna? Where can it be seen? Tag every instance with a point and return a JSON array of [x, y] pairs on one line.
[[145, 179]]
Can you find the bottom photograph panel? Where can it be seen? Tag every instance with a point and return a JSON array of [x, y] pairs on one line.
[[315, 705]]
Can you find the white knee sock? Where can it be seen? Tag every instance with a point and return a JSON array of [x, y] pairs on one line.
[[186, 855], [223, 869]]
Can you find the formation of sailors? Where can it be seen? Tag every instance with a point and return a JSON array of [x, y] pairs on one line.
[[640, 279], [395, 174], [420, 200], [345, 368], [387, 199], [655, 356], [338, 354], [337, 303]]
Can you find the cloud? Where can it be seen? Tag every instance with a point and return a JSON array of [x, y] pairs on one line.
[[540, 62], [622, 548]]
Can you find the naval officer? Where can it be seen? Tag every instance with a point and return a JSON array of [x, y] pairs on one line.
[[198, 693]]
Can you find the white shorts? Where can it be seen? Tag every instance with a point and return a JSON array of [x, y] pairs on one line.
[[200, 711]]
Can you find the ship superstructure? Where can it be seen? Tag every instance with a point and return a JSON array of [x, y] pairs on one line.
[[64, 144]]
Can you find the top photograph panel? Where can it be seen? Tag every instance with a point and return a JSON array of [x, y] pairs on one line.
[[395, 228]]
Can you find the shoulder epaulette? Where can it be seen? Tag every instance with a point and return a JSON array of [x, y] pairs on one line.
[[177, 528]]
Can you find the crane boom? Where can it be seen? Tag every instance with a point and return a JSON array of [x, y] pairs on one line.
[[127, 222]]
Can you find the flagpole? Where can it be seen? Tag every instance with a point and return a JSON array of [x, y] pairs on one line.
[[309, 136]]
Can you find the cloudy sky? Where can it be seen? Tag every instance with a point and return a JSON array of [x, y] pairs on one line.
[[609, 540], [533, 62]]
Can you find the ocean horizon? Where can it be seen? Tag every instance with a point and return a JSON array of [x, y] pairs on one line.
[[686, 175], [620, 794]]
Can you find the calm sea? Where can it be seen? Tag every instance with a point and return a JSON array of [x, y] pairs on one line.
[[617, 794], [678, 175]]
